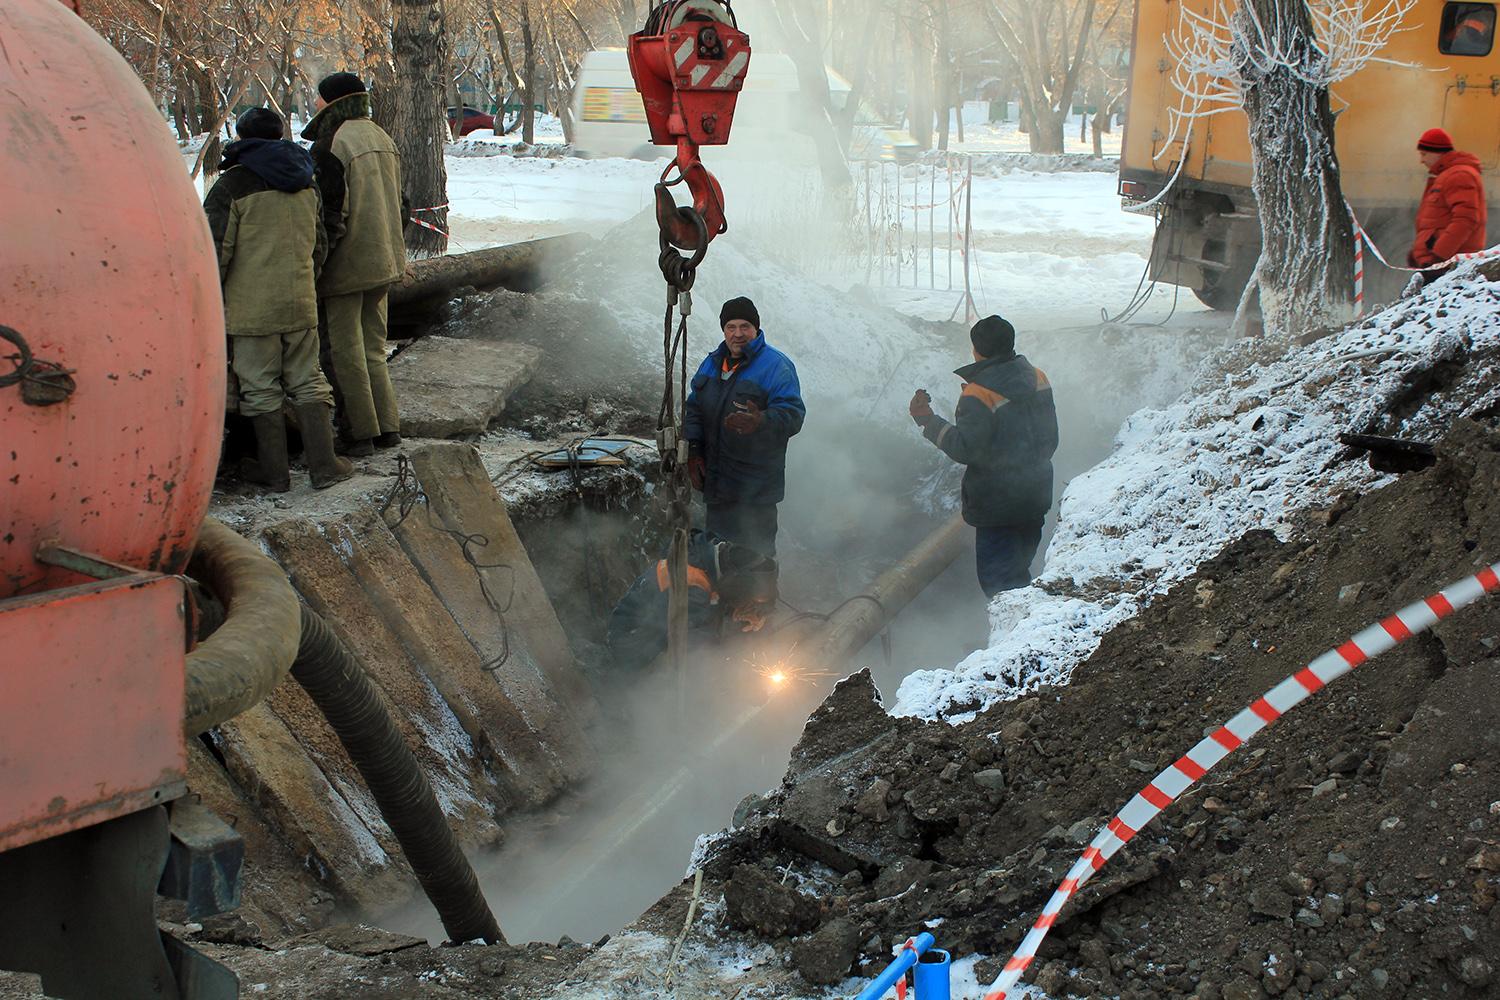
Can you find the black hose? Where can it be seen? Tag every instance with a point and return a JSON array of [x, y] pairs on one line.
[[349, 700]]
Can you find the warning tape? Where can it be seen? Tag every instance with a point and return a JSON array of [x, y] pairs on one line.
[[426, 225], [1172, 782], [434, 208], [1458, 258]]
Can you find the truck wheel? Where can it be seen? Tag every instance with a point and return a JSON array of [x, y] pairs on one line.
[[1222, 289]]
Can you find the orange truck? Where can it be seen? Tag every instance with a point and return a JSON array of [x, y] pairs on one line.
[[1441, 69]]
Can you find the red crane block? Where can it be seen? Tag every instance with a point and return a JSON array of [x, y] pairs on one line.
[[689, 63]]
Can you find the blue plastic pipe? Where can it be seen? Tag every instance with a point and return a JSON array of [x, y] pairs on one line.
[[905, 960], [931, 976]]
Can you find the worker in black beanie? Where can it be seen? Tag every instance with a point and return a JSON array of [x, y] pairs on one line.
[[745, 405], [337, 85], [364, 213], [1005, 431]]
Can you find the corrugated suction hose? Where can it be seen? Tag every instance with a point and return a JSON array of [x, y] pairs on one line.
[[348, 699], [267, 631]]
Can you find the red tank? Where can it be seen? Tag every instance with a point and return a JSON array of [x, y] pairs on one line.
[[107, 269]]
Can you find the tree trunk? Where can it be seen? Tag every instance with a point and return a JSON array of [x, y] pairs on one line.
[[944, 72], [528, 92], [1307, 261], [919, 101], [420, 127], [1047, 123], [379, 72]]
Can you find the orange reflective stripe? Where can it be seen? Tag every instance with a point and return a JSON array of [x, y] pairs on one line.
[[1042, 382], [696, 578], [989, 397]]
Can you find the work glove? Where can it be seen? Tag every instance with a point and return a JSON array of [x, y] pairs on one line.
[[921, 407], [697, 469], [746, 418]]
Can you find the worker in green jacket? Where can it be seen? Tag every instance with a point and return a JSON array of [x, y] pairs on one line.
[[364, 211], [266, 218]]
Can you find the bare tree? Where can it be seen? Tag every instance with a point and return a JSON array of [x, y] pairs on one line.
[[420, 127], [1276, 60], [1048, 40]]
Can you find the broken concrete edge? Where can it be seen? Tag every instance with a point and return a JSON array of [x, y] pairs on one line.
[[450, 387], [459, 493]]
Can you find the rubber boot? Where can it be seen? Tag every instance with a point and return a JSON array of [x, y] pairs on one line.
[[270, 468], [324, 468], [357, 449]]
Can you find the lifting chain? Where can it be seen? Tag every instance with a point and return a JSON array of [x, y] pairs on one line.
[[679, 272]]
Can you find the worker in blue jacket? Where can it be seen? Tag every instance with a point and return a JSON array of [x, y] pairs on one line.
[[1005, 431], [744, 406]]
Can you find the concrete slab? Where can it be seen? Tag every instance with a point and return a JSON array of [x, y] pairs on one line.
[[526, 774], [447, 387], [280, 896], [459, 493], [510, 670], [263, 756], [321, 562]]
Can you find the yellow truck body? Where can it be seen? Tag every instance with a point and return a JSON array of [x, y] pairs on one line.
[[1209, 235]]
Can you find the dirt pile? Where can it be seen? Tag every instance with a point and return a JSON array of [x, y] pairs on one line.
[[1351, 850]]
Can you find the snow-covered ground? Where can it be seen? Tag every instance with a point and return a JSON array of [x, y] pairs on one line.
[[1247, 450]]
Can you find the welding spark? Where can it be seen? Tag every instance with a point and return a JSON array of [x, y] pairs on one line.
[[782, 674]]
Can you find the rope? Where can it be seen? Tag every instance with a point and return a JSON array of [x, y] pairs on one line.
[[406, 493]]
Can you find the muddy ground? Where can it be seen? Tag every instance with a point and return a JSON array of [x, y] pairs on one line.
[[1351, 850]]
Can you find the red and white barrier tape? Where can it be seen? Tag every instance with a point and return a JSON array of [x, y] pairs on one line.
[[1171, 783]]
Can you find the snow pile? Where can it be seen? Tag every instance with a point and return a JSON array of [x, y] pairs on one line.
[[1254, 446]]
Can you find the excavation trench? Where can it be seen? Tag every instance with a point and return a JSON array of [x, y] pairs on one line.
[[678, 754]]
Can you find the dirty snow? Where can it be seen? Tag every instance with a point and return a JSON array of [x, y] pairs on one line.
[[1253, 445]]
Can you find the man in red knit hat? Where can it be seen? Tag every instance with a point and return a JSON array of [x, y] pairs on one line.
[[1452, 217]]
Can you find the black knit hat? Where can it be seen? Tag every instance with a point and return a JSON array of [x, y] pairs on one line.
[[259, 123], [340, 85], [993, 337], [740, 308]]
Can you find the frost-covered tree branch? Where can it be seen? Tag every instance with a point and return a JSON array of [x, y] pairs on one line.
[[1276, 61]]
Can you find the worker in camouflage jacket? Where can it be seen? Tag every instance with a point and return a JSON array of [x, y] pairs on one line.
[[725, 580], [1005, 431], [745, 405], [266, 218], [359, 174]]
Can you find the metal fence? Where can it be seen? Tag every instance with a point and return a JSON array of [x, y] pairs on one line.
[[917, 224]]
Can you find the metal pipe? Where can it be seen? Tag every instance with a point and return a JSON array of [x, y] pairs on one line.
[[905, 960], [250, 653], [864, 616]]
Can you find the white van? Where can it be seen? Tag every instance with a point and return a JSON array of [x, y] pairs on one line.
[[610, 120]]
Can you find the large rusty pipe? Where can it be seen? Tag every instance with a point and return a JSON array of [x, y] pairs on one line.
[[253, 649], [864, 616], [516, 265]]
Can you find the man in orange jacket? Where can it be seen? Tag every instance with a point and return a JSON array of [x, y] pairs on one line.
[[1452, 216]]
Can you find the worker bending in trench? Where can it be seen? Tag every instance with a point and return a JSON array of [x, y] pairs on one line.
[[745, 405], [364, 210], [266, 218], [725, 581], [1005, 430]]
